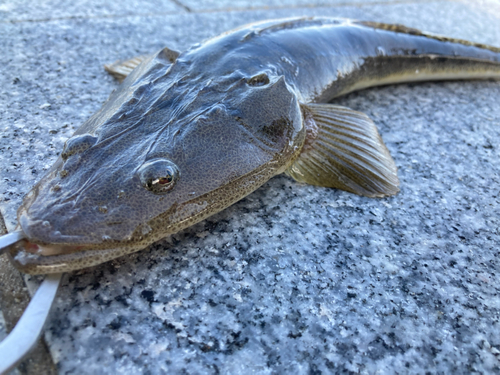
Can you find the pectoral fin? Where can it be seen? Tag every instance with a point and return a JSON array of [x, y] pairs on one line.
[[344, 150], [121, 69]]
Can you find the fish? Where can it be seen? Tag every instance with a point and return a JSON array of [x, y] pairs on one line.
[[186, 135]]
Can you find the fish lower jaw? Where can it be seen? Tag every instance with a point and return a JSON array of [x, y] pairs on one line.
[[35, 259]]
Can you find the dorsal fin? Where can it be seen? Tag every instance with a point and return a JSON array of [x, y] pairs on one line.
[[122, 68]]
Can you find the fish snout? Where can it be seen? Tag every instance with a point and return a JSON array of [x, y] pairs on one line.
[[73, 225]]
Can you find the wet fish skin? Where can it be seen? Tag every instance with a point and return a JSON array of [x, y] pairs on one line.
[[227, 115]]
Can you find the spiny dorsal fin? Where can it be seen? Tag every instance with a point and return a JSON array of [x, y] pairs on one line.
[[122, 68], [343, 150]]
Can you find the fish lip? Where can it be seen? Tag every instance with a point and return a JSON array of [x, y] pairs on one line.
[[28, 250], [34, 256], [41, 249], [27, 256]]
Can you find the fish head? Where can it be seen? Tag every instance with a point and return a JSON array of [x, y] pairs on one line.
[[163, 153]]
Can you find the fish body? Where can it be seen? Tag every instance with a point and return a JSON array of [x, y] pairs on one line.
[[186, 135]]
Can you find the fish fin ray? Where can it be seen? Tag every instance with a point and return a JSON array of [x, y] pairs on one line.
[[336, 154], [122, 68]]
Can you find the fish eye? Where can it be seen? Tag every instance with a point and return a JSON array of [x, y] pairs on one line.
[[77, 144], [259, 80], [158, 175]]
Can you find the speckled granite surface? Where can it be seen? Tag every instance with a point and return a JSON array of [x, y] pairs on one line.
[[3, 334], [294, 278]]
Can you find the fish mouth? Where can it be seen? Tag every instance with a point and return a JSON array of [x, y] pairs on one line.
[[47, 248], [34, 248], [38, 258]]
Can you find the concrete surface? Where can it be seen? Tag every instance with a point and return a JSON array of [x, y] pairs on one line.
[[293, 278]]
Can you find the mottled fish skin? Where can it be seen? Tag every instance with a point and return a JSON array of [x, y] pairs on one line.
[[222, 118]]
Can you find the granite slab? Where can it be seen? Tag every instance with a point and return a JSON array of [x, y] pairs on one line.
[[3, 334], [293, 278], [236, 5], [27, 11]]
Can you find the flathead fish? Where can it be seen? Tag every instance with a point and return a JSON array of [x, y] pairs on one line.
[[188, 134]]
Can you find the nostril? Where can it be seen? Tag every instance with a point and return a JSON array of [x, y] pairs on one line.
[[78, 144]]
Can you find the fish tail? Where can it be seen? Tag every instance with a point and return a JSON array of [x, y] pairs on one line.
[[408, 55]]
